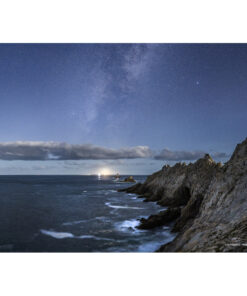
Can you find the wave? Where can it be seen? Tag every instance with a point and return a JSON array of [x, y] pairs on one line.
[[149, 247], [154, 245], [62, 235], [132, 196], [128, 225], [121, 207], [85, 236], [58, 235], [74, 222], [96, 237], [101, 218]]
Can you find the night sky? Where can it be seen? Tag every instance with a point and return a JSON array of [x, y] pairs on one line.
[[127, 108]]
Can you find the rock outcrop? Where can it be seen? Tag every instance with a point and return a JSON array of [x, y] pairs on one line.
[[162, 218], [129, 179], [212, 200]]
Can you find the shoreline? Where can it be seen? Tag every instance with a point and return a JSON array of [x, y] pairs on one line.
[[205, 201]]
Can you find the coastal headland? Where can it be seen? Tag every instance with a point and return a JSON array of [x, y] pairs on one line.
[[205, 201]]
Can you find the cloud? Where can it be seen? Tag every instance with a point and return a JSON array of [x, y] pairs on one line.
[[28, 150], [219, 155], [169, 155], [63, 151]]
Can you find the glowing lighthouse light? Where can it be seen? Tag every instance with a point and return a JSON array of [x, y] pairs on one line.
[[104, 172]]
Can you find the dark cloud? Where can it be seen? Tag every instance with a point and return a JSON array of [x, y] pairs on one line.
[[220, 155], [169, 155], [64, 151]]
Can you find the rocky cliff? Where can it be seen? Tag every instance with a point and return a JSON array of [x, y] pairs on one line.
[[206, 202]]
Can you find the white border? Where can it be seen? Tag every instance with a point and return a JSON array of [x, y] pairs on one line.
[[122, 21], [123, 274]]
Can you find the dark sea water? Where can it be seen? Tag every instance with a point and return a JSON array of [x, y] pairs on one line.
[[74, 214]]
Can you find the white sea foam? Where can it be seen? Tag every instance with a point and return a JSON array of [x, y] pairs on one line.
[[85, 236], [104, 238], [100, 218], [128, 225], [121, 207], [61, 235], [74, 222], [58, 235], [94, 237]]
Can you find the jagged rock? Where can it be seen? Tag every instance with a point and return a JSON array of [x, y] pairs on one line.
[[213, 198], [162, 218], [220, 224], [137, 188], [188, 213], [180, 197], [129, 179], [173, 186]]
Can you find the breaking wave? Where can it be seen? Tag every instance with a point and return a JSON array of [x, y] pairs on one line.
[[61, 235], [128, 225], [58, 235], [121, 207]]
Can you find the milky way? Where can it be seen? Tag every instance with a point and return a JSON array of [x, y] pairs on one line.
[[179, 100]]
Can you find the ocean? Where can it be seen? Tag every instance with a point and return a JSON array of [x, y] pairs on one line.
[[74, 214]]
